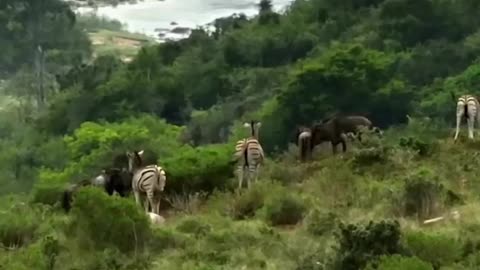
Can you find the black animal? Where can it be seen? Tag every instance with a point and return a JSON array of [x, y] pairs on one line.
[[111, 180], [334, 129], [118, 180], [68, 193]]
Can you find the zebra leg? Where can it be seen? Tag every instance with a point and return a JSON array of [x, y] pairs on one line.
[[257, 169], [457, 131], [470, 127], [240, 177], [472, 112], [137, 197], [460, 112], [249, 176], [158, 205], [146, 204], [151, 201]]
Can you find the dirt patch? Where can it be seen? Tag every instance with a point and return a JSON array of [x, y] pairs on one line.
[[123, 42]]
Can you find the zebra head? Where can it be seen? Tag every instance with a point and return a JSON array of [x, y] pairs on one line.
[[254, 127], [134, 160]]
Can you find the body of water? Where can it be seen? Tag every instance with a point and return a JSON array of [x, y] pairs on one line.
[[148, 15]]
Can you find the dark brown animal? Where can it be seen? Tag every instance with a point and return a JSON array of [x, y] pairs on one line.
[[334, 129], [328, 132], [110, 180], [353, 124], [68, 193]]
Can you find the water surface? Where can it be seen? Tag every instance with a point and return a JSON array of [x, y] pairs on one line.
[[145, 17]]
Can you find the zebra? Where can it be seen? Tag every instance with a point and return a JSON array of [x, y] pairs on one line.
[[467, 107], [249, 154], [149, 180]]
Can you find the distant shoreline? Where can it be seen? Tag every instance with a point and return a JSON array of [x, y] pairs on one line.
[[147, 16]]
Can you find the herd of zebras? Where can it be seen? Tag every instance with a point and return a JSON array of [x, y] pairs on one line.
[[148, 181]]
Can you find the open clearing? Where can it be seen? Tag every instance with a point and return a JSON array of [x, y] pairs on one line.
[[119, 43]]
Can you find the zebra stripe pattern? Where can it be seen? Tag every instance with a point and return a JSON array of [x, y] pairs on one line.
[[467, 107], [250, 155], [147, 180]]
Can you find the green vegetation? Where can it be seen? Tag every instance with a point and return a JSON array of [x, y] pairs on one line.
[[396, 61]]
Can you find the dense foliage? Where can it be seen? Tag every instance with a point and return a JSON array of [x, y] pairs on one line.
[[66, 111]]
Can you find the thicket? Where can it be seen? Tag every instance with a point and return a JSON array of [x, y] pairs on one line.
[[395, 61]]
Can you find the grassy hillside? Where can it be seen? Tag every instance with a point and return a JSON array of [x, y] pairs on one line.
[[337, 212], [402, 63], [123, 44]]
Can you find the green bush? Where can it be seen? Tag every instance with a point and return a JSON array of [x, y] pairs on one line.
[[397, 262], [423, 193], [166, 238], [193, 226], [27, 258], [423, 148], [371, 151], [435, 248], [284, 208], [49, 188], [18, 225], [248, 203], [203, 168], [359, 244], [319, 222], [109, 221]]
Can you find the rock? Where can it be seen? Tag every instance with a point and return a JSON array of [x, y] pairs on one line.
[[180, 30], [156, 219]]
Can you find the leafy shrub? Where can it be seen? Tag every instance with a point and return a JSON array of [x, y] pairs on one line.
[[246, 204], [203, 168], [228, 241], [420, 146], [359, 245], [93, 147], [50, 250], [193, 226], [49, 188], [471, 233], [165, 238], [284, 208], [436, 248], [423, 193], [371, 151], [320, 222], [30, 257], [18, 225], [188, 203], [109, 221], [397, 262]]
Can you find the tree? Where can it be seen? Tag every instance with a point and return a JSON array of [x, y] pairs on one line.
[[33, 30]]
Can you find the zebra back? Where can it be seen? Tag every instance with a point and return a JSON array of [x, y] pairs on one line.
[[254, 150], [146, 179], [464, 100]]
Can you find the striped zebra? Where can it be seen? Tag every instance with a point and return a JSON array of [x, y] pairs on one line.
[[249, 155], [147, 180], [467, 107]]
